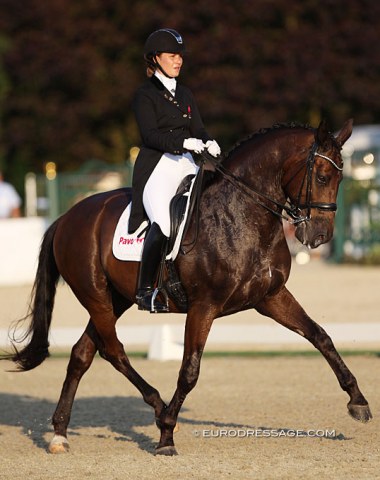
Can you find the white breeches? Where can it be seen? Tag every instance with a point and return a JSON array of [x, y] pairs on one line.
[[162, 186]]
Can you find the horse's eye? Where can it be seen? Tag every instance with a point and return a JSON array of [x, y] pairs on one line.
[[321, 179]]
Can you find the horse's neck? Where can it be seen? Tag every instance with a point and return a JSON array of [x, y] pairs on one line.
[[265, 163], [236, 196], [257, 166], [257, 170]]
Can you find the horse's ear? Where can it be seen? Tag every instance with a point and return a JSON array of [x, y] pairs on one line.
[[322, 133], [345, 132]]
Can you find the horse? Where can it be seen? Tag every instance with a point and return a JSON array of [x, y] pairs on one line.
[[239, 260]]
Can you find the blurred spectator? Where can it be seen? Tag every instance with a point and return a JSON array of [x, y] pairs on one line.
[[10, 200]]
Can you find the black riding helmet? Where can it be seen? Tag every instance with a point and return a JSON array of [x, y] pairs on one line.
[[164, 40]]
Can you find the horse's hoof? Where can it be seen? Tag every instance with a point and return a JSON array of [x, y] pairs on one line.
[[362, 413], [59, 444], [169, 451]]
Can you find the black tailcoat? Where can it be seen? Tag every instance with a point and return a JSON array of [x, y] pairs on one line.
[[164, 122]]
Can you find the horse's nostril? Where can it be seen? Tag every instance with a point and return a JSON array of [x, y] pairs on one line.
[[319, 240]]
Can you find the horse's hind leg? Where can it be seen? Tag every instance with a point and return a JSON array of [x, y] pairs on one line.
[[99, 335], [102, 338], [81, 358], [112, 350], [286, 310]]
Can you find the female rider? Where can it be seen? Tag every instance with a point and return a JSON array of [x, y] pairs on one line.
[[171, 129]]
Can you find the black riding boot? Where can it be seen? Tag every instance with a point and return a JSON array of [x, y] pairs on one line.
[[150, 261]]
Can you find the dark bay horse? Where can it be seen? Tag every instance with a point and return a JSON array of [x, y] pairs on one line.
[[240, 261]]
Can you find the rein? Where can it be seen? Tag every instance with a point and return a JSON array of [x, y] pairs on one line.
[[294, 211]]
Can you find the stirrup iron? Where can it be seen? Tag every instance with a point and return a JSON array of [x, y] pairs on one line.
[[164, 307]]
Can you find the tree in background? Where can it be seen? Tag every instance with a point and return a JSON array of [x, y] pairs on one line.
[[68, 70]]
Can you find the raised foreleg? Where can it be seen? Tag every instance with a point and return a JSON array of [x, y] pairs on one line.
[[283, 308]]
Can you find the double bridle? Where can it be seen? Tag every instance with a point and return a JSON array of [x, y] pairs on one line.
[[309, 205], [293, 210]]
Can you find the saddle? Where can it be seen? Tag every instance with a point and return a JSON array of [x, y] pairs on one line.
[[182, 206], [177, 208]]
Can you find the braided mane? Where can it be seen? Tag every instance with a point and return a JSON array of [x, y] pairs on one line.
[[263, 131]]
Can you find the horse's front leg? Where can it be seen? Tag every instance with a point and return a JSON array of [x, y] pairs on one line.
[[286, 310], [195, 339]]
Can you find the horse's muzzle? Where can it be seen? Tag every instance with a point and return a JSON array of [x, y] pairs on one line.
[[313, 235]]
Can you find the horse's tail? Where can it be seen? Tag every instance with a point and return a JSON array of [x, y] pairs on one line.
[[40, 310]]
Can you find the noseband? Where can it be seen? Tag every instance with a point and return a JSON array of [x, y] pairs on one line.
[[294, 210]]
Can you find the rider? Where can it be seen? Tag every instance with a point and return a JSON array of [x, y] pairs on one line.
[[171, 129]]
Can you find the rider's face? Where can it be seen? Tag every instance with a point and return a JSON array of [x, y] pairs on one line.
[[171, 63]]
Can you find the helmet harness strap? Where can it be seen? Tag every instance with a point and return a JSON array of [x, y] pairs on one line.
[[155, 64]]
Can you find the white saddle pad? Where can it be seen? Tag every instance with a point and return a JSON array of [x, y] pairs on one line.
[[128, 247]]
